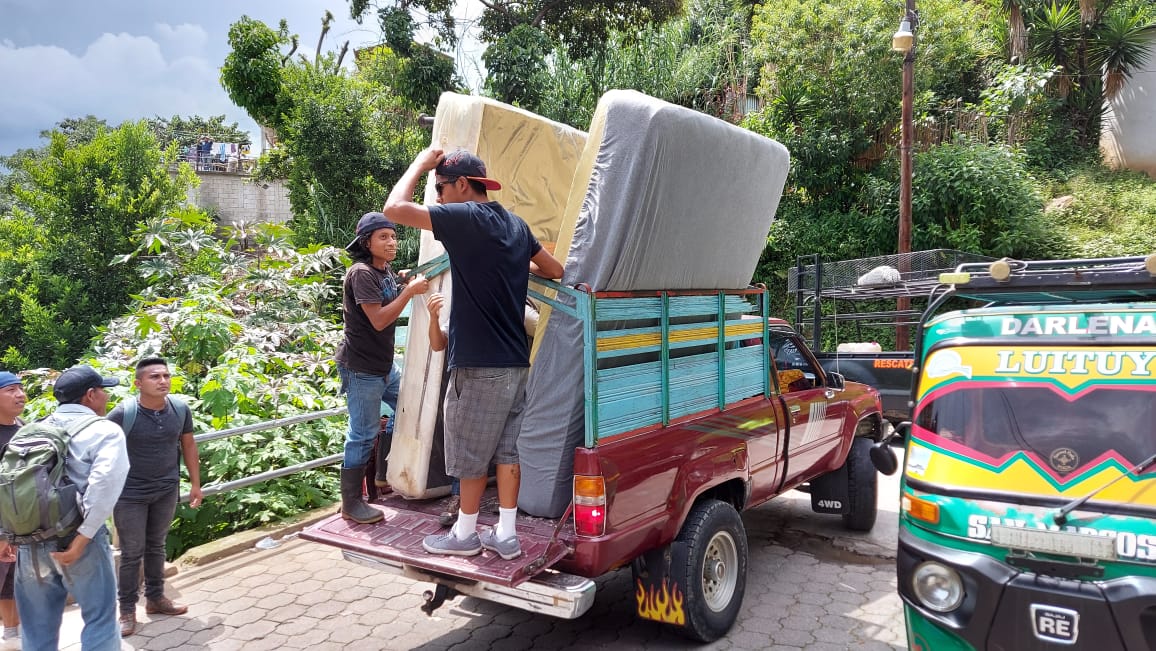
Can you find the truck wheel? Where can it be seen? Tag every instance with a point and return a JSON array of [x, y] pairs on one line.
[[715, 574], [862, 487]]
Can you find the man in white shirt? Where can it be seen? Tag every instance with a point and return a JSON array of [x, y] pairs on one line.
[[80, 563]]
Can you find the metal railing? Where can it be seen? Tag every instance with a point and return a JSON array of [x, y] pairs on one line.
[[276, 472], [431, 269]]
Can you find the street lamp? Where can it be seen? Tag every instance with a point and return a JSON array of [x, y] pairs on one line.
[[904, 41]]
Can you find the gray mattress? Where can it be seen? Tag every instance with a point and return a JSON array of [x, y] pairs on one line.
[[668, 198]]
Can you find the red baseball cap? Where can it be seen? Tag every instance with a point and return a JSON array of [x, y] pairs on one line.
[[462, 163]]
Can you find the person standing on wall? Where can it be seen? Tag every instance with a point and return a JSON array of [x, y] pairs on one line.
[[372, 300], [12, 399], [490, 251], [159, 433]]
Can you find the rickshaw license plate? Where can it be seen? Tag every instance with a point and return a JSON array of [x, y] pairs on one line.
[[1053, 624], [1054, 542]]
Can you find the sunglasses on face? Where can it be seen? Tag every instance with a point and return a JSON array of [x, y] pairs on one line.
[[438, 186]]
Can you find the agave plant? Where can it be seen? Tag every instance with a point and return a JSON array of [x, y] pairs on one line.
[[1096, 44], [1121, 46]]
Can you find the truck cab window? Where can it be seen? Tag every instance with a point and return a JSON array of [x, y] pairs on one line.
[[796, 371]]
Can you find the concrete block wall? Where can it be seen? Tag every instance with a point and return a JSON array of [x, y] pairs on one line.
[[236, 199]]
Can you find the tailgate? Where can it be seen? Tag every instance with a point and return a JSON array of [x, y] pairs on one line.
[[398, 538]]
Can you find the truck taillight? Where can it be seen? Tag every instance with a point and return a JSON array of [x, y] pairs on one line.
[[589, 505]]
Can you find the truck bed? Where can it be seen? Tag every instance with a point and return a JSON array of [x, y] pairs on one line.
[[399, 536]]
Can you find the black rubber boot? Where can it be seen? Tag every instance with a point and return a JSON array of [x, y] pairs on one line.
[[353, 506], [381, 462]]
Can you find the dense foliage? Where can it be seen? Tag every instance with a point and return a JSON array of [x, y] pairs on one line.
[[76, 206], [246, 344], [343, 137]]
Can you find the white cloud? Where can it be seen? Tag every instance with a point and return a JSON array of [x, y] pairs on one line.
[[133, 59], [182, 40], [118, 77]]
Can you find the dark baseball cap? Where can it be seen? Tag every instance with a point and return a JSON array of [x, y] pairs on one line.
[[8, 379], [369, 222], [462, 163], [74, 382]]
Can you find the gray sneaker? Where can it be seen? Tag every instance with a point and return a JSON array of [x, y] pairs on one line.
[[448, 544], [508, 549]]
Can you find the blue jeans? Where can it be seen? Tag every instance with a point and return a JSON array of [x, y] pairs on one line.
[[40, 600], [142, 528], [389, 397], [364, 394]]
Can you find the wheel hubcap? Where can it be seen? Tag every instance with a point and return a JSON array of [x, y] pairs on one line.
[[719, 571]]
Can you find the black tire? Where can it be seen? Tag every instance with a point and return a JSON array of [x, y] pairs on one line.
[[715, 575], [862, 487]]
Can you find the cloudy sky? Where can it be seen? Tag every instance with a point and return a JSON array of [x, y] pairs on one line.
[[130, 59]]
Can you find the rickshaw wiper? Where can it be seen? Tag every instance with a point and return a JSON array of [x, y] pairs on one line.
[[1061, 516]]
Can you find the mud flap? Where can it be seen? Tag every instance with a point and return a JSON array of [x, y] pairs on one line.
[[829, 492], [656, 595]]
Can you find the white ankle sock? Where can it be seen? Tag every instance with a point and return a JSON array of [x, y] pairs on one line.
[[11, 632], [506, 528], [466, 525]]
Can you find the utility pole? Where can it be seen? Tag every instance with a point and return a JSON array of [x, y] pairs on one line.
[[904, 41]]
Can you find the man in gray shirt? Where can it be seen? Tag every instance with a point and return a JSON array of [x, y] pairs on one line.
[[80, 563], [159, 432]]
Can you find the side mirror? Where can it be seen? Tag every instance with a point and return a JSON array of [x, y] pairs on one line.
[[883, 458], [901, 431], [836, 381]]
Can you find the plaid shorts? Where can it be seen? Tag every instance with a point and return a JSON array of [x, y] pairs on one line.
[[483, 415]]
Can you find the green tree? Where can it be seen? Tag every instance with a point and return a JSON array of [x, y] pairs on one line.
[[343, 137], [85, 200], [251, 74], [186, 131], [700, 60], [76, 131]]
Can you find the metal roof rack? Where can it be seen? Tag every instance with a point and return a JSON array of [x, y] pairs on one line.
[[1082, 280], [848, 282]]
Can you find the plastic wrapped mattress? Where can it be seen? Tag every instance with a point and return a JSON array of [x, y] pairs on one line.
[[663, 197]]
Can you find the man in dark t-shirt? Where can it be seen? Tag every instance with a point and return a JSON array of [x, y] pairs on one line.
[[372, 299], [159, 432], [490, 251], [12, 400]]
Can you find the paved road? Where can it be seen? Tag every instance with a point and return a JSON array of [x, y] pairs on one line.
[[810, 586]]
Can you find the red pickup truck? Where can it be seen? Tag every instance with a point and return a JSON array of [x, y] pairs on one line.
[[663, 498]]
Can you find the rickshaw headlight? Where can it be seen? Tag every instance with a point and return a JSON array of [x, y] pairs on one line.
[[938, 586]]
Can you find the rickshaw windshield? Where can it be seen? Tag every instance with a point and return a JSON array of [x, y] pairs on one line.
[[1065, 432]]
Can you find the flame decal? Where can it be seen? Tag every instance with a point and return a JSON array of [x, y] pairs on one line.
[[663, 605]]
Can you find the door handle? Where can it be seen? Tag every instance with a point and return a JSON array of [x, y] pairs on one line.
[[796, 409]]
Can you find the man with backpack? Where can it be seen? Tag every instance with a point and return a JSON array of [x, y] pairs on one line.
[[159, 431], [62, 557], [12, 401]]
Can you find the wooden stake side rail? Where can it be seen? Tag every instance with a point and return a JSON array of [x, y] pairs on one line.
[[653, 357]]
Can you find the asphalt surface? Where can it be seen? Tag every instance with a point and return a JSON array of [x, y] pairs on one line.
[[811, 585]]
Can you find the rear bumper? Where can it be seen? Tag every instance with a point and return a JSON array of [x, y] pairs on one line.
[[550, 593]]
